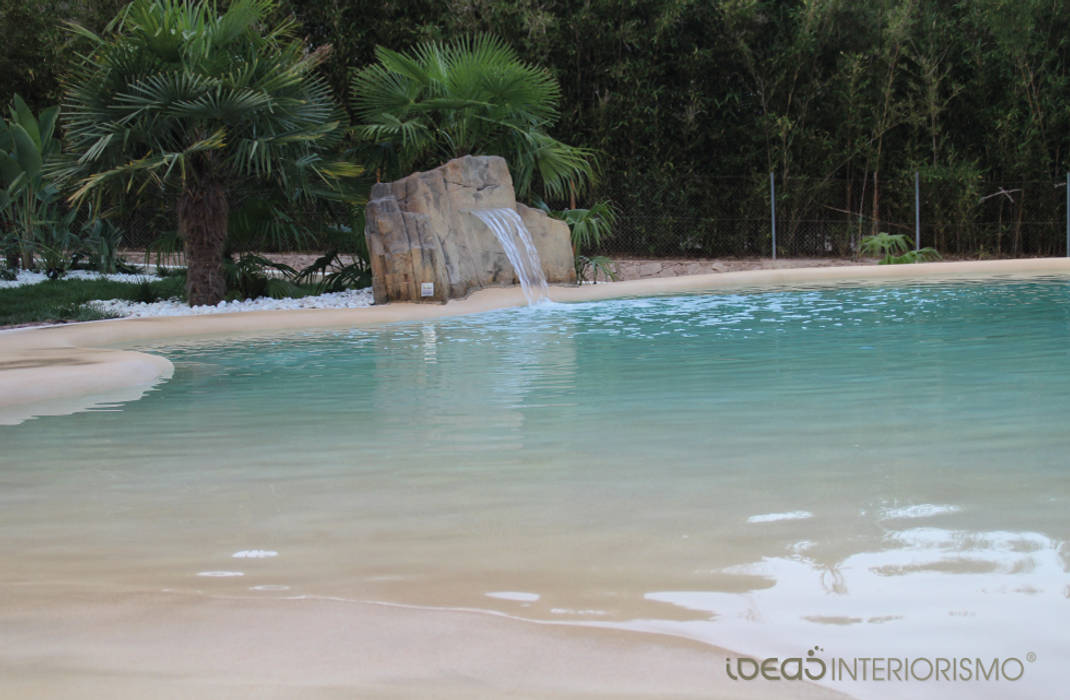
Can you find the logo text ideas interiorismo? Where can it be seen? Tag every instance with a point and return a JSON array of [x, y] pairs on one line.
[[876, 668]]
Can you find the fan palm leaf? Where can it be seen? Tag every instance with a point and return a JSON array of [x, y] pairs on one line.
[[471, 96], [199, 104]]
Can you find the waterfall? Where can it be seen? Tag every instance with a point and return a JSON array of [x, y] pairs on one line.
[[516, 240]]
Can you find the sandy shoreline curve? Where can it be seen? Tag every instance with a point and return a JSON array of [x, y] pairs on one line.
[[56, 370]]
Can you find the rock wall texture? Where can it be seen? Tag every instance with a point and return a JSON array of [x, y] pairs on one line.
[[420, 230]]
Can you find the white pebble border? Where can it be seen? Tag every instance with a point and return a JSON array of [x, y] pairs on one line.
[[25, 277], [351, 299]]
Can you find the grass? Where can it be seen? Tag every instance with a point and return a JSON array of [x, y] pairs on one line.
[[64, 300]]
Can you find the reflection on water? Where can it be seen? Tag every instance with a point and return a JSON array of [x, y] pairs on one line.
[[929, 592], [877, 470]]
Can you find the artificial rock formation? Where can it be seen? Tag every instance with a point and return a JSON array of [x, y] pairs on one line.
[[420, 230]]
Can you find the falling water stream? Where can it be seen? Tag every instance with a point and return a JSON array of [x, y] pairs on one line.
[[516, 240]]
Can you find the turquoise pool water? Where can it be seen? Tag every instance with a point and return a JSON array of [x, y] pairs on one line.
[[879, 470]]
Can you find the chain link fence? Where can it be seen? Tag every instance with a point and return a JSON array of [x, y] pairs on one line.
[[684, 237], [829, 218], [692, 237]]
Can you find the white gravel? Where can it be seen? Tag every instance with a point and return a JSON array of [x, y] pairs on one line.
[[351, 299], [25, 277]]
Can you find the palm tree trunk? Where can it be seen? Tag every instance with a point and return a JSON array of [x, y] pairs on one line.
[[202, 224]]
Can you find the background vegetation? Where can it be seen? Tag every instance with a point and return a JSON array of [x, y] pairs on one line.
[[692, 103]]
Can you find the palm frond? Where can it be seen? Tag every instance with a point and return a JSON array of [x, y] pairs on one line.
[[162, 84], [470, 96], [562, 169], [590, 227]]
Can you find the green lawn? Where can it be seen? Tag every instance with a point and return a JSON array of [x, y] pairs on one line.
[[64, 300]]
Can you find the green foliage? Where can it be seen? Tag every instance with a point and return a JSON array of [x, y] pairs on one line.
[[346, 264], [101, 239], [844, 101], [9, 249], [146, 292], [914, 256], [253, 276], [164, 251], [29, 53], [894, 249], [39, 227], [35, 49], [265, 223], [884, 244], [470, 96], [278, 288], [248, 277], [589, 227], [29, 202], [588, 268], [58, 247], [174, 93], [330, 273], [64, 300]]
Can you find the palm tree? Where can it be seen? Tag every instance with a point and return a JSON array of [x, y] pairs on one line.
[[176, 96], [472, 96]]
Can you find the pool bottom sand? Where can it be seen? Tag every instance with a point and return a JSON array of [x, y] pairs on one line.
[[59, 643]]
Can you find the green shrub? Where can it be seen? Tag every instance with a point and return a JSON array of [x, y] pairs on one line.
[[894, 249]]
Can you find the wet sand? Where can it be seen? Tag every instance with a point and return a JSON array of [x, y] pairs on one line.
[[68, 643]]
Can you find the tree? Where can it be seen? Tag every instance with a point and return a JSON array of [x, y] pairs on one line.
[[469, 96], [35, 47], [197, 104]]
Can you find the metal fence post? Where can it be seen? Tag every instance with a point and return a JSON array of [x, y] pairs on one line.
[[772, 207], [917, 213]]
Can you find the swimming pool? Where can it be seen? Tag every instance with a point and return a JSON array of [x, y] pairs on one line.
[[879, 470]]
